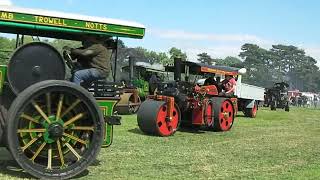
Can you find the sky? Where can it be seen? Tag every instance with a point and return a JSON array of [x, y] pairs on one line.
[[217, 27]]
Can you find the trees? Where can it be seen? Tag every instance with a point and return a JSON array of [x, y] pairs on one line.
[[175, 52], [6, 48], [264, 67], [280, 63], [257, 61], [230, 61], [60, 43], [205, 58]]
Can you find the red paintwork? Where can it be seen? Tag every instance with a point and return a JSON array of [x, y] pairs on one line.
[[226, 120], [197, 116], [209, 115], [254, 111], [217, 71], [202, 114], [209, 90], [167, 128]]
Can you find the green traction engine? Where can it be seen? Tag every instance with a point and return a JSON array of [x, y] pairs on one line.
[[53, 128]]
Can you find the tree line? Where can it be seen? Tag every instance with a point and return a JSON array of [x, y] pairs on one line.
[[264, 66], [281, 63]]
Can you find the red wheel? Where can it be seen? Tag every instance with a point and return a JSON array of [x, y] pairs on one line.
[[254, 111], [251, 112], [152, 118], [223, 114], [165, 127]]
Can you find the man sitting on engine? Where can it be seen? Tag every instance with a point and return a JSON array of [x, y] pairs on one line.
[[229, 86], [210, 80], [94, 58]]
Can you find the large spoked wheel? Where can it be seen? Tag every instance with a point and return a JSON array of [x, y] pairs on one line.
[[152, 118], [223, 114], [55, 129]]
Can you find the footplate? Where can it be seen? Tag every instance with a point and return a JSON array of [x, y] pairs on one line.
[[113, 120], [107, 95]]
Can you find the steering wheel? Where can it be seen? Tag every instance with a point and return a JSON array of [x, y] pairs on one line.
[[68, 59]]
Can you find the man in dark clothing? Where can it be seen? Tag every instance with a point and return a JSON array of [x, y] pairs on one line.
[[210, 80], [153, 83], [94, 58]]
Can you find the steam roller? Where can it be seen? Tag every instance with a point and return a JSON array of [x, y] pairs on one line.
[[182, 103], [129, 102]]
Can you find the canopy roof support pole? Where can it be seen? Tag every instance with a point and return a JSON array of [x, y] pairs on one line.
[[22, 40], [131, 68], [17, 40], [115, 62]]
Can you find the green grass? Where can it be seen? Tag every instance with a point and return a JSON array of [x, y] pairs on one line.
[[275, 145]]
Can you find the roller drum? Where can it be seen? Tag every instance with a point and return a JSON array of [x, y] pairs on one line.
[[152, 118]]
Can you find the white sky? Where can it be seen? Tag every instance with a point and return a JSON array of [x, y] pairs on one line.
[[6, 2]]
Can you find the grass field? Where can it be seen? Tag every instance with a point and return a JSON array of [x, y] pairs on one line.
[[275, 145]]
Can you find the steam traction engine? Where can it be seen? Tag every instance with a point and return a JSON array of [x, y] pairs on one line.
[[277, 96], [184, 103], [53, 128]]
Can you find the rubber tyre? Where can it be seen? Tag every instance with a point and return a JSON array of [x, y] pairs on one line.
[[273, 106], [287, 108], [251, 112], [13, 120]]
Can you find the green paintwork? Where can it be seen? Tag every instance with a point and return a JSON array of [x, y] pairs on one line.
[[35, 22], [107, 106], [143, 87], [45, 124], [3, 73]]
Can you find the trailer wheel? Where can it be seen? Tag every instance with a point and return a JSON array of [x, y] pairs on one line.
[[273, 106], [152, 119], [223, 114], [55, 129], [251, 112]]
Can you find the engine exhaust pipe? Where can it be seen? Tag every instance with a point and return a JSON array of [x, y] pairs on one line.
[[177, 69], [131, 67]]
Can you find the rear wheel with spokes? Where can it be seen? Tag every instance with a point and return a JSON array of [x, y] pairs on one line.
[[55, 129]]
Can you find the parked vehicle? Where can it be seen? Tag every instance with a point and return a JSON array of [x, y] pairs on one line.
[[182, 102], [277, 96]]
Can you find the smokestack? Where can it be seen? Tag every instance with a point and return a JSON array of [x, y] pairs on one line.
[[131, 67], [177, 69]]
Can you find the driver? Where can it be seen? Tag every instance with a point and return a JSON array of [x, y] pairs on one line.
[[229, 86], [210, 80], [94, 57]]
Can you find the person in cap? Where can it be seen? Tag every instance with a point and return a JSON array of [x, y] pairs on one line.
[[229, 86], [94, 58]]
